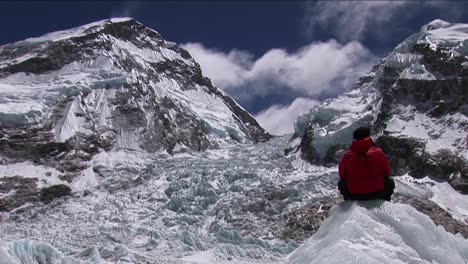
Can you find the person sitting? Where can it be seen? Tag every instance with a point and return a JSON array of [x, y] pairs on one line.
[[364, 170]]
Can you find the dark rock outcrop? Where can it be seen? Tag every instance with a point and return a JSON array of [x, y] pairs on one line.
[[308, 151], [20, 191], [55, 191], [407, 155]]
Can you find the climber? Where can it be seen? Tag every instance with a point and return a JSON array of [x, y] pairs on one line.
[[364, 170]]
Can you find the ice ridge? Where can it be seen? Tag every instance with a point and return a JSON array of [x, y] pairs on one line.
[[380, 232]]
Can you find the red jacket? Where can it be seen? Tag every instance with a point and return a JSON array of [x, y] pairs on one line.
[[364, 167]]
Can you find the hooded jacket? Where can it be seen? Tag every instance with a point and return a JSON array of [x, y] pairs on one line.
[[364, 167]]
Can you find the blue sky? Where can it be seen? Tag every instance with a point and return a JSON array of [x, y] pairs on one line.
[[276, 58]]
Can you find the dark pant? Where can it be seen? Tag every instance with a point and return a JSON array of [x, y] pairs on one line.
[[385, 194]]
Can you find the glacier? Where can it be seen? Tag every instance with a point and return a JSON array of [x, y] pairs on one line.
[[33, 252], [221, 206], [355, 232]]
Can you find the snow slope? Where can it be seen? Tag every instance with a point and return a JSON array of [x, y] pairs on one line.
[[380, 232]]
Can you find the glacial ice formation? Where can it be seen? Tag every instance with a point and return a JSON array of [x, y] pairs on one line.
[[355, 232], [33, 252], [380, 232]]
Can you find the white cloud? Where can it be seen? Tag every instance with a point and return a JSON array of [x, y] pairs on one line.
[[351, 20], [225, 70], [314, 69], [279, 120]]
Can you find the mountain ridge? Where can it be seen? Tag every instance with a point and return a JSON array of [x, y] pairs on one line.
[[175, 59], [415, 100], [113, 84]]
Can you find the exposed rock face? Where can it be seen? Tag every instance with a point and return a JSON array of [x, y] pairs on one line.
[[24, 190], [308, 151], [416, 101], [305, 221], [138, 73], [55, 191], [108, 86], [407, 155]]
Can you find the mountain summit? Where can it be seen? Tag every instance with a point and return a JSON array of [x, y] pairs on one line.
[[110, 85], [121, 82]]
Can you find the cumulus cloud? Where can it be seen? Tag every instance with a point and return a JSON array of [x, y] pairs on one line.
[[225, 70], [320, 67], [351, 20], [279, 120]]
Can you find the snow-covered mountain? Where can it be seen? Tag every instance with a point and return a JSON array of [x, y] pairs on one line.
[[115, 149], [110, 85], [415, 99]]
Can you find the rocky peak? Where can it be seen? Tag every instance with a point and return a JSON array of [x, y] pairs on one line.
[[119, 55], [112, 85]]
